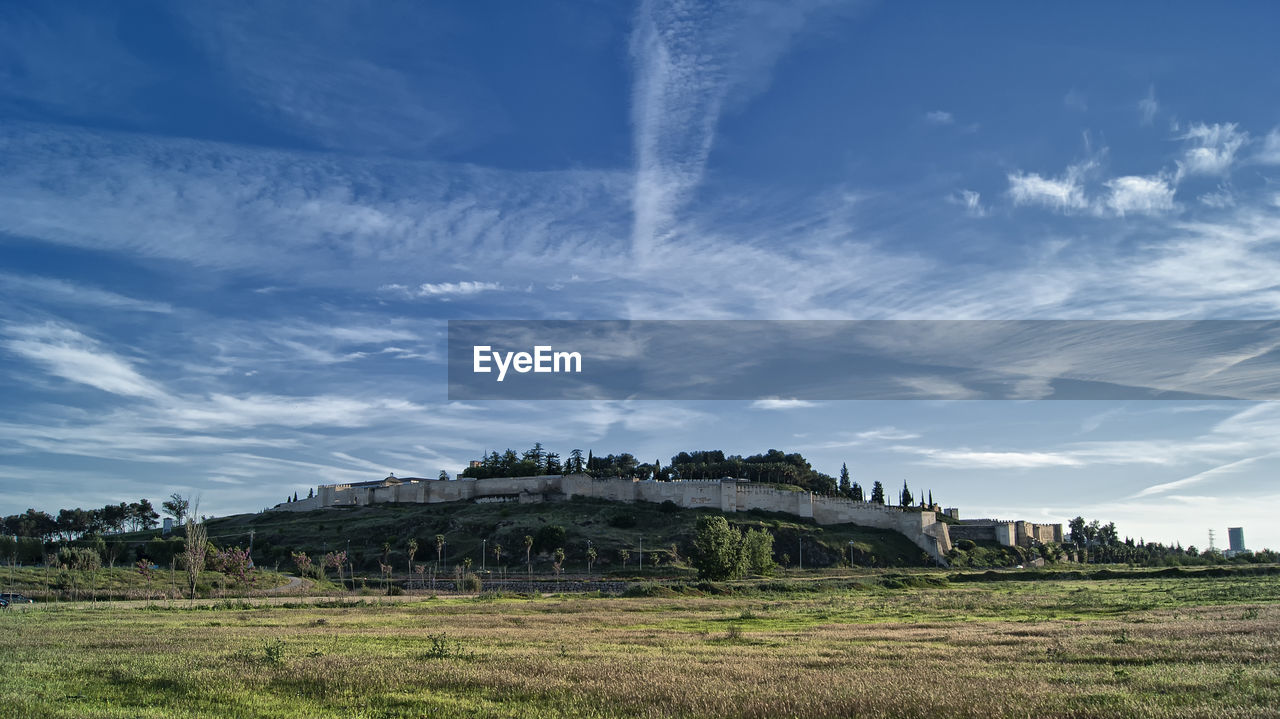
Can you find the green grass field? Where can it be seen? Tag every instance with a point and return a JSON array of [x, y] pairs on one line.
[[1149, 647]]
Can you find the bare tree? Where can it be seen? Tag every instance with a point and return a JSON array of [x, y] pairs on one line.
[[197, 538]]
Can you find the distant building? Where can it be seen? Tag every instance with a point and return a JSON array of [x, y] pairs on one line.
[[953, 512], [1235, 538]]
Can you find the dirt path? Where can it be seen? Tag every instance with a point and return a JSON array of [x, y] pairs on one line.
[[295, 584]]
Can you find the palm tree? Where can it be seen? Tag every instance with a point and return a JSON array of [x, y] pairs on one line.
[[439, 550], [413, 549], [559, 560], [528, 553]]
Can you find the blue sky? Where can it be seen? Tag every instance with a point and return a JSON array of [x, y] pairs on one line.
[[230, 237]]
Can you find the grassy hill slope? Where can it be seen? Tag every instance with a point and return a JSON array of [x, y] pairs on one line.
[[666, 530]]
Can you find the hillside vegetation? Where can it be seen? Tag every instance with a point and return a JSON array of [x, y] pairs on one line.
[[381, 533]]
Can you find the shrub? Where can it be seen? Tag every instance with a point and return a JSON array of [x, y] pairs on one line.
[[549, 537], [441, 647], [649, 589], [623, 520], [470, 583]]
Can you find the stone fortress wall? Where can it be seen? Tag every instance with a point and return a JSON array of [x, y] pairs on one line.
[[726, 495], [1007, 532]]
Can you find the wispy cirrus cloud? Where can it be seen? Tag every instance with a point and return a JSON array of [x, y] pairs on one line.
[[1140, 195], [939, 117], [1148, 106], [776, 403], [444, 289], [690, 61], [1211, 148], [1065, 193], [1220, 471], [67, 353], [59, 291]]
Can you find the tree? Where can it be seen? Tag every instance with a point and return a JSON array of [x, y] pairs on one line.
[[877, 493], [846, 487], [574, 465], [337, 560], [757, 552], [413, 549], [559, 555], [591, 558], [1076, 529], [302, 562], [444, 476], [195, 549], [717, 549], [176, 506], [905, 499], [624, 555], [528, 552], [497, 553], [855, 493], [439, 549]]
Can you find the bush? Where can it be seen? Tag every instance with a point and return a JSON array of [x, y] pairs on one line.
[[549, 538], [623, 520], [470, 583], [648, 589]]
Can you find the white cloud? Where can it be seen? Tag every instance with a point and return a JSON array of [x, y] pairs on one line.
[[939, 117], [1065, 193], [444, 289], [971, 201], [1212, 149], [965, 458], [1270, 152], [1148, 107], [1220, 470], [67, 353], [774, 403], [1220, 198], [892, 434], [689, 62], [50, 289], [1140, 195]]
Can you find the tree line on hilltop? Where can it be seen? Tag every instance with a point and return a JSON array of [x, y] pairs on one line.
[[771, 467]]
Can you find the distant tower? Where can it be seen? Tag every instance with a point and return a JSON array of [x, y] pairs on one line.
[[1211, 547], [1235, 537]]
